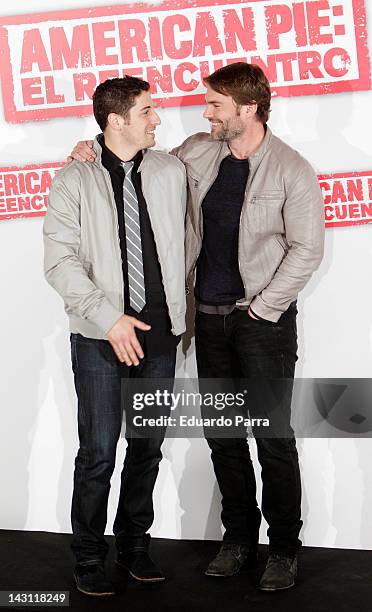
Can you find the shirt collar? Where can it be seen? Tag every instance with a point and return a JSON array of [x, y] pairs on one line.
[[112, 161]]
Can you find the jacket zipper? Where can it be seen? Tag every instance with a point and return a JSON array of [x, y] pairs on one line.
[[245, 205], [117, 241], [162, 266], [200, 200]]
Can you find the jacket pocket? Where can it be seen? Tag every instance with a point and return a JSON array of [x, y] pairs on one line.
[[87, 265], [282, 242], [193, 181], [269, 199], [264, 215]]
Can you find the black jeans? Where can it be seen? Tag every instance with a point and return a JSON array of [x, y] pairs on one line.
[[235, 345], [98, 376]]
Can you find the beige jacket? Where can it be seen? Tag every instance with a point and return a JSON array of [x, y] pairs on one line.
[[81, 241], [281, 235]]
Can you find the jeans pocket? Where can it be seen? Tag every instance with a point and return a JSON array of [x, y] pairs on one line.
[[74, 359], [263, 322]]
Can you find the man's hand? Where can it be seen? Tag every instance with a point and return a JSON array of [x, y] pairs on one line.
[[83, 151], [123, 339]]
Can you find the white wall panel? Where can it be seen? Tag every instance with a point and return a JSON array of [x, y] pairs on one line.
[[38, 433]]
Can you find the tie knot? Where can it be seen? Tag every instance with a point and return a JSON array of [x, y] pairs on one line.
[[128, 166]]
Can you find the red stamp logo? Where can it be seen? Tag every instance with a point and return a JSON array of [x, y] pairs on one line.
[[347, 198], [52, 62], [24, 191]]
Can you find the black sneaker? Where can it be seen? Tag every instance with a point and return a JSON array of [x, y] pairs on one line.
[[230, 559], [91, 580], [280, 573], [140, 566]]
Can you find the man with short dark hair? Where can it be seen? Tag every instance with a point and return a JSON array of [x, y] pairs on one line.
[[114, 234], [254, 234]]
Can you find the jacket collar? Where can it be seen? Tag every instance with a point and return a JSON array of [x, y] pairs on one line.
[[255, 159], [98, 150]]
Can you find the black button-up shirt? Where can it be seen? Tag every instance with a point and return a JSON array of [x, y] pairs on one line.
[[159, 339]]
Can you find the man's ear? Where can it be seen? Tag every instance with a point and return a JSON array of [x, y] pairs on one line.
[[115, 121], [251, 109]]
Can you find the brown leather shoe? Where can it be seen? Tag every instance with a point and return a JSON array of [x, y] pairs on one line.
[[230, 559], [280, 573]]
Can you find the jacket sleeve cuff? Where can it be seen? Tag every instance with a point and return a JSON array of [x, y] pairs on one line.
[[105, 315], [255, 314], [263, 311]]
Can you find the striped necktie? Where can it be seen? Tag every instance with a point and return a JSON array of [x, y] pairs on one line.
[[137, 296]]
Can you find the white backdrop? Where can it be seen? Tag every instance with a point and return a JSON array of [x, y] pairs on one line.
[[38, 405]]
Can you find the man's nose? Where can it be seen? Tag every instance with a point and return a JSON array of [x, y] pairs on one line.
[[156, 119]]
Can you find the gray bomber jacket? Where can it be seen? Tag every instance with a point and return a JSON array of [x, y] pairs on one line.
[[82, 257], [281, 234]]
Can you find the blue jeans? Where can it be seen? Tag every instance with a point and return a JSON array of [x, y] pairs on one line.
[[98, 378], [234, 346]]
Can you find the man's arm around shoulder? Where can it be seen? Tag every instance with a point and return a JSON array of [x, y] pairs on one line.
[[183, 149]]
